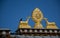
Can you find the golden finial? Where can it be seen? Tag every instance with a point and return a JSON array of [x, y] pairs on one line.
[[37, 17]]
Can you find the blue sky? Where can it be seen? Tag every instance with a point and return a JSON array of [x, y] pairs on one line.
[[12, 10]]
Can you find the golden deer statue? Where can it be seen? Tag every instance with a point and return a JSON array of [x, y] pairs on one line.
[[24, 24], [50, 25]]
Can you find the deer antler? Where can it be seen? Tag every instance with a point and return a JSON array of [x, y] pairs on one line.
[[28, 18], [45, 18]]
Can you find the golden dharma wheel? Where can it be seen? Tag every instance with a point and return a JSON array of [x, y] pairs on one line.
[[37, 15]]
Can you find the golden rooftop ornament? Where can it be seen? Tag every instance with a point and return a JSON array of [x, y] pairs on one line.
[[37, 17]]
